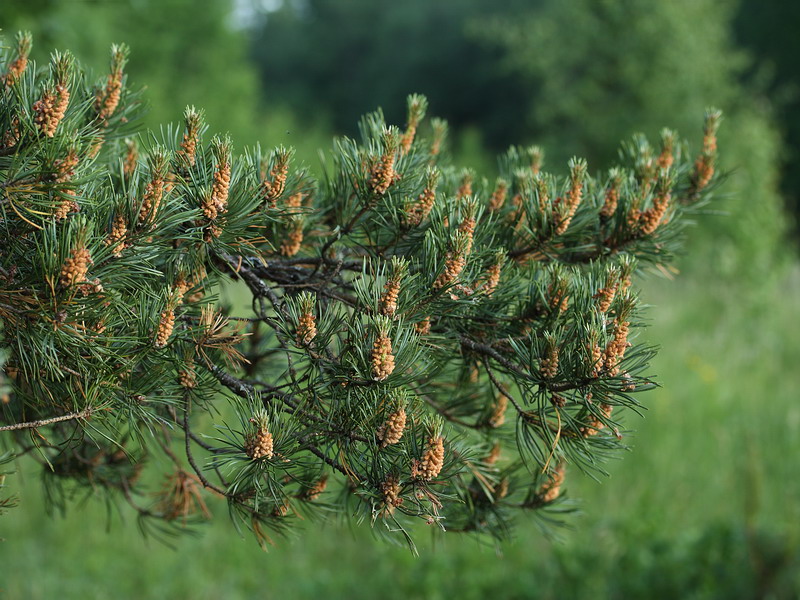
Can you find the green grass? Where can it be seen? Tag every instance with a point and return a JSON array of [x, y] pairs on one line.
[[707, 505]]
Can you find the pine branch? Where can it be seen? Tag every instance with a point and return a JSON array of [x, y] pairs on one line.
[[370, 365]]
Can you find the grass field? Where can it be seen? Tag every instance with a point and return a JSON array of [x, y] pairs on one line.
[[707, 505]]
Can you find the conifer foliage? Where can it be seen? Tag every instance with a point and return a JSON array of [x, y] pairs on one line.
[[418, 344]]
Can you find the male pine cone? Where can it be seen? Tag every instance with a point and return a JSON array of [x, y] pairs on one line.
[[382, 357], [432, 460], [259, 443], [392, 430]]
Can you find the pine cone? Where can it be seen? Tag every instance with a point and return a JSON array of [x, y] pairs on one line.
[[498, 197], [306, 329], [388, 301], [549, 364], [259, 444], [382, 357], [432, 461], [76, 267], [221, 186], [50, 109], [391, 493], [316, 490], [552, 487], [392, 430], [165, 326], [498, 416]]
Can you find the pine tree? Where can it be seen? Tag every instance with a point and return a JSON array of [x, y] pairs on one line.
[[422, 344]]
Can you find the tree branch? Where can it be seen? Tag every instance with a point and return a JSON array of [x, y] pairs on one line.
[[84, 414], [190, 456], [333, 463], [492, 353]]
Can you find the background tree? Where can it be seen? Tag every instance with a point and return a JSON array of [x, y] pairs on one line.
[[767, 30], [402, 309], [377, 51]]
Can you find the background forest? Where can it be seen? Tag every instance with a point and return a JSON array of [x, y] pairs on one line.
[[708, 503]]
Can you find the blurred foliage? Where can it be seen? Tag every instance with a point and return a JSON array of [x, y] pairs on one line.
[[347, 56], [768, 28]]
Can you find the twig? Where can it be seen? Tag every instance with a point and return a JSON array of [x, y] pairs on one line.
[[488, 351], [190, 456], [84, 414], [491, 352], [126, 492], [338, 235], [335, 464], [499, 387]]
